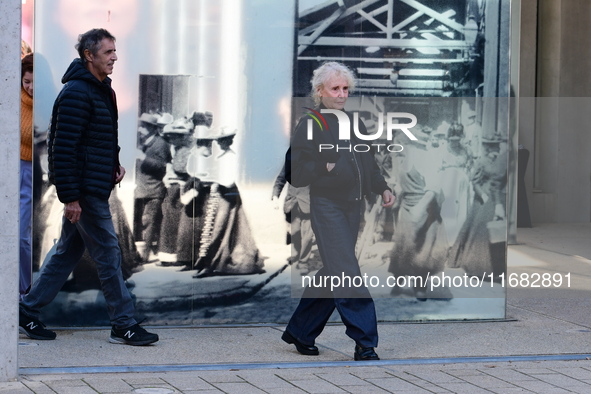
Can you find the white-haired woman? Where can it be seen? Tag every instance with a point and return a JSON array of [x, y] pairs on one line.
[[338, 180]]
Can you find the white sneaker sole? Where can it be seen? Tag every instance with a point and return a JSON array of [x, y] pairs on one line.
[[122, 341]]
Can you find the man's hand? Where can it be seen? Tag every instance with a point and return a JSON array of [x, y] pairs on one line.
[[120, 174], [72, 211], [388, 198], [330, 166]]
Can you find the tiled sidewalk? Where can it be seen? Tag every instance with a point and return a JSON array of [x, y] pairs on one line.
[[537, 377], [525, 353]]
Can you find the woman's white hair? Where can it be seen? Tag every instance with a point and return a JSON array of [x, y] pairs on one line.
[[325, 72]]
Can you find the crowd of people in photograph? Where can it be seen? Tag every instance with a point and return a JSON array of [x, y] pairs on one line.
[[188, 211], [450, 211]]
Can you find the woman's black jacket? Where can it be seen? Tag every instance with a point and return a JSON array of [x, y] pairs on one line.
[[306, 162]]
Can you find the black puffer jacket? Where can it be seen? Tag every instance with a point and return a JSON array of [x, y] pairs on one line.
[[82, 140]]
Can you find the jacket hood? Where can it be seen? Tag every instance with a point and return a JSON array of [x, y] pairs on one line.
[[77, 70]]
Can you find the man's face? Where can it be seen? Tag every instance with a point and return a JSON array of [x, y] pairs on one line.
[[101, 63], [437, 140]]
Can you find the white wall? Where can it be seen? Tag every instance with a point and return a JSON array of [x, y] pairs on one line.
[[555, 125]]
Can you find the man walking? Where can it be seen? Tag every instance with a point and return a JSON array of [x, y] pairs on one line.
[[84, 167]]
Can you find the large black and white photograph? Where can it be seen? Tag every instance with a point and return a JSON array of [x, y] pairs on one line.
[[445, 62], [210, 230]]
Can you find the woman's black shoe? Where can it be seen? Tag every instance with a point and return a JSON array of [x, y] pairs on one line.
[[365, 353], [303, 349]]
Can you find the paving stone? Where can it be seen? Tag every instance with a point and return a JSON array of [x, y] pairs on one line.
[[300, 373], [14, 388], [281, 390], [37, 387], [536, 371], [509, 390], [538, 386], [393, 384], [73, 390], [264, 380], [238, 388], [187, 381], [372, 372], [507, 374], [563, 381], [576, 373], [341, 379], [143, 380], [108, 384], [486, 382], [220, 377], [56, 382], [152, 388], [460, 373], [580, 390], [431, 387], [409, 376], [365, 388], [434, 376], [316, 385], [463, 388]]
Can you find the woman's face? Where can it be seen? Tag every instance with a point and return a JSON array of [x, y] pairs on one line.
[[204, 147], [28, 83], [334, 92]]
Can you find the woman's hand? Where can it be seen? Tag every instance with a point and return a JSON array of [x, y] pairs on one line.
[[388, 198]]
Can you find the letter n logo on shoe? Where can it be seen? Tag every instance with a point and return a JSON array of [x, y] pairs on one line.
[[129, 334], [31, 325]]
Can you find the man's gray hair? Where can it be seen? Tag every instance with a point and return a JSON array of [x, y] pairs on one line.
[[91, 40], [326, 71]]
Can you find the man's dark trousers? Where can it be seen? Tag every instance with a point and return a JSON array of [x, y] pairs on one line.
[[96, 232]]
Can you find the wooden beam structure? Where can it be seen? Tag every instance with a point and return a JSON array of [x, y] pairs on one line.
[[390, 36]]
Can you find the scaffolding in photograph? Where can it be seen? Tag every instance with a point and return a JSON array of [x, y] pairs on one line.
[[398, 47]]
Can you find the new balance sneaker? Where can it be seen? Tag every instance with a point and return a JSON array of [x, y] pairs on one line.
[[134, 335], [33, 328]]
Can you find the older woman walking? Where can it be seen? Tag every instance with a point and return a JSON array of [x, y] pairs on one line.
[[338, 180]]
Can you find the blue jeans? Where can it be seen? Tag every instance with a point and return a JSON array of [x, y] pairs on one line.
[[26, 227], [94, 231], [336, 226]]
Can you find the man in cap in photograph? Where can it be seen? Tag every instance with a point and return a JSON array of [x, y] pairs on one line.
[[153, 156]]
